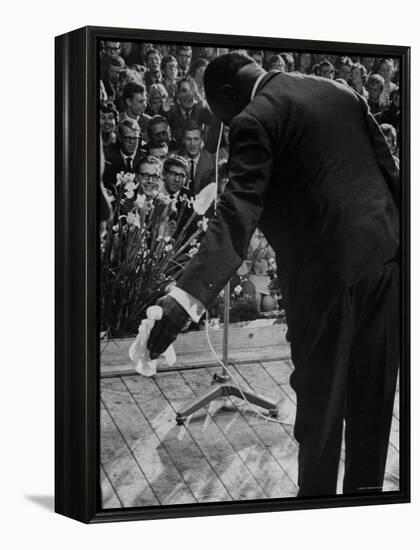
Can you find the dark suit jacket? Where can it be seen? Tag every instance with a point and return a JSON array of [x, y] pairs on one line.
[[204, 171], [199, 113], [114, 163], [310, 167]]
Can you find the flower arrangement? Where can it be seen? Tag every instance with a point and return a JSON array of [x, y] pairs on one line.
[[144, 250]]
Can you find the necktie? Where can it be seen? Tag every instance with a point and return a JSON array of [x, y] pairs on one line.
[[192, 175], [128, 164]]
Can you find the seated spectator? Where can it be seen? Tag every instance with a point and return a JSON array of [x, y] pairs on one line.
[[304, 63], [169, 68], [201, 162], [158, 100], [126, 154], [326, 69], [391, 114], [375, 85], [358, 79], [257, 56], [110, 49], [108, 120], [150, 177], [197, 69], [160, 131], [207, 53], [175, 176], [184, 55], [186, 108], [390, 135], [343, 66], [277, 63], [159, 151], [153, 74], [289, 61], [112, 67], [134, 98], [386, 68]]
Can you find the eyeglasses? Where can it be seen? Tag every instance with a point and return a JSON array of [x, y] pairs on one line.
[[176, 175], [130, 139], [154, 178]]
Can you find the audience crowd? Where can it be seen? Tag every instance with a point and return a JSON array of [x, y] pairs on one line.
[[155, 122]]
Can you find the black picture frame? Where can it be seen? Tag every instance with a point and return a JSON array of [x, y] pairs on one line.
[[76, 249]]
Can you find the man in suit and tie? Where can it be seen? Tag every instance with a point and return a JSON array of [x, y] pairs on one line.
[[309, 166], [135, 102], [126, 155], [200, 162], [186, 109]]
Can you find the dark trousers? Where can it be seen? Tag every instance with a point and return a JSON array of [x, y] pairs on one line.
[[346, 365]]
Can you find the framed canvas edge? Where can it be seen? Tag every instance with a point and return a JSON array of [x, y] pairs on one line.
[[77, 351]]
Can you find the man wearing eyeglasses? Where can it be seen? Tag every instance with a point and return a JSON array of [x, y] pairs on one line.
[[150, 177], [126, 155]]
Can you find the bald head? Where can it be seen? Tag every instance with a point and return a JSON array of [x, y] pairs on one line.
[[228, 82]]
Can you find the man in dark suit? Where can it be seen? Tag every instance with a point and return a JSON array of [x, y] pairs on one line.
[[126, 155], [200, 162], [309, 166], [187, 108]]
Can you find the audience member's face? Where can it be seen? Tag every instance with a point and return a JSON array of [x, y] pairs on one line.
[[159, 132], [185, 95], [278, 64], [159, 152], [174, 178], [150, 179], [396, 99], [112, 48], [386, 71], [137, 104], [199, 74], [184, 59], [171, 70], [345, 72], [153, 62], [325, 71], [305, 60], [258, 58], [208, 53], [114, 74], [156, 103], [107, 122], [374, 89], [192, 142], [129, 140], [356, 75], [390, 142]]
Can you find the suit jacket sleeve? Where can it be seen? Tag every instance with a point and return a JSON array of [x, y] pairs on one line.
[[225, 244], [384, 157]]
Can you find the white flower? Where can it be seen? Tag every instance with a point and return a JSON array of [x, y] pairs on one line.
[[168, 248], [133, 219], [237, 290], [193, 251], [205, 197], [204, 223], [115, 227], [119, 179], [140, 201]]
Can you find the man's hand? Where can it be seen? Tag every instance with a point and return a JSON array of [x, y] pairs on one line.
[[164, 332]]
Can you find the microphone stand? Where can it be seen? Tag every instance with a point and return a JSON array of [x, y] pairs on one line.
[[223, 386]]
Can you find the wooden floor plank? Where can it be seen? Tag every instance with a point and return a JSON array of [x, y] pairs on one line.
[[279, 370], [121, 468], [157, 466], [276, 439], [109, 496], [219, 452], [184, 452], [265, 469]]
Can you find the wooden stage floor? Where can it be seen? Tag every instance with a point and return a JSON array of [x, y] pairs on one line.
[[223, 453]]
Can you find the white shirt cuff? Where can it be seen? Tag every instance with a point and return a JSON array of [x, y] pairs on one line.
[[192, 306]]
